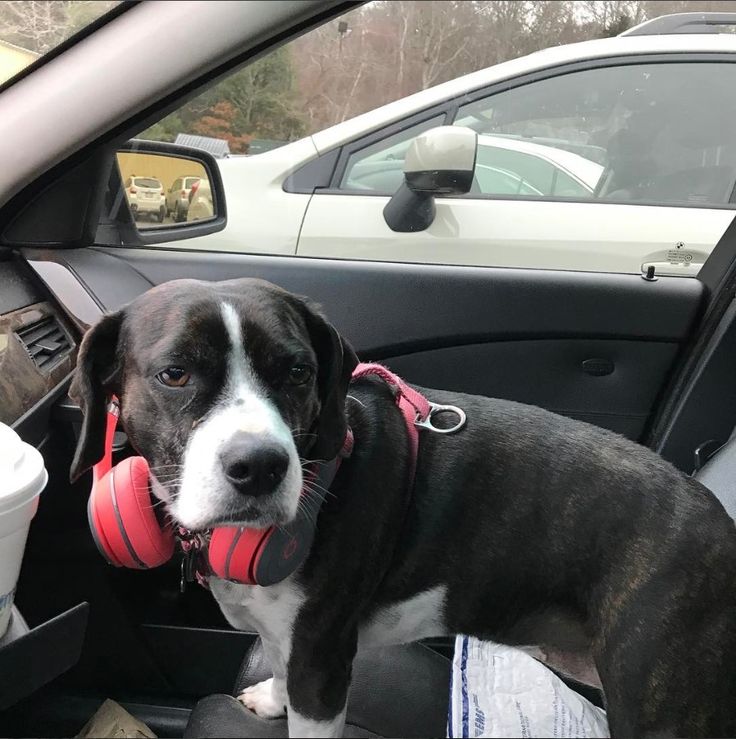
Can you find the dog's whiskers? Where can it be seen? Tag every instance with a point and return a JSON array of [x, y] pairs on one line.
[[311, 505], [145, 488], [168, 484], [307, 462], [309, 513], [311, 486]]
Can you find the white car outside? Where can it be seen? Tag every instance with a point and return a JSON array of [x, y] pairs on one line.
[[594, 111], [146, 196]]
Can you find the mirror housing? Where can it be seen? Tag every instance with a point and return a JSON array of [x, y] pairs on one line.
[[439, 162], [157, 166]]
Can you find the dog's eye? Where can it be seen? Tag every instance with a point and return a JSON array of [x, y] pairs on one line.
[[173, 377], [300, 374]]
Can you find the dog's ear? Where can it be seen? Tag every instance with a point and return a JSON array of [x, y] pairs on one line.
[[95, 379], [337, 361]]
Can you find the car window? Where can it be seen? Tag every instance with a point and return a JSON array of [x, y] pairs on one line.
[[645, 133], [146, 182], [535, 174], [28, 30], [309, 154], [176, 185], [379, 166]]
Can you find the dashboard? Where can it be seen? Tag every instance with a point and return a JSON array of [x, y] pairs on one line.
[[38, 346]]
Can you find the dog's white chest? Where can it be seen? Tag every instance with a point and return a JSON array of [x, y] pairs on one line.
[[416, 618], [269, 611]]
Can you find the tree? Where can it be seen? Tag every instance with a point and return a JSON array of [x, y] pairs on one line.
[[259, 101], [263, 97], [40, 25], [166, 129], [436, 35], [219, 124], [388, 49]]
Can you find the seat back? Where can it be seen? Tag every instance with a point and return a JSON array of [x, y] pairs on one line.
[[719, 475]]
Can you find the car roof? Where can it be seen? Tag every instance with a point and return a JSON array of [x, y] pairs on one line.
[[539, 60]]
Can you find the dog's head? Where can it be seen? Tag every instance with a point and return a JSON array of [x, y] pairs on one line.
[[225, 388]]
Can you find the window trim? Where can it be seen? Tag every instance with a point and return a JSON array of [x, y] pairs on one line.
[[451, 106], [347, 150]]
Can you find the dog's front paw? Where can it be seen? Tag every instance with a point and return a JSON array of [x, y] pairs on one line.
[[266, 699]]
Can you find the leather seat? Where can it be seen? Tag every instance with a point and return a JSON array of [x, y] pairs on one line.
[[396, 691], [719, 475]]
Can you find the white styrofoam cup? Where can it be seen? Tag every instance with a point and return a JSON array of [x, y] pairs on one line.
[[22, 478]]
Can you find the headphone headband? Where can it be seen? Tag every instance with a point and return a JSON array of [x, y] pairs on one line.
[[102, 467]]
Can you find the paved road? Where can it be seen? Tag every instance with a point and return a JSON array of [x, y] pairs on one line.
[[145, 221]]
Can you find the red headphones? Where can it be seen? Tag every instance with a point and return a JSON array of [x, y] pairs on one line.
[[128, 533]]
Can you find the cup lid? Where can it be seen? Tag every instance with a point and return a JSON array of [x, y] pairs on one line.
[[22, 472]]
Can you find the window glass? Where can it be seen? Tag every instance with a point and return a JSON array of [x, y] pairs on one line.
[[146, 182], [533, 173], [28, 30], [379, 166], [654, 133], [634, 135]]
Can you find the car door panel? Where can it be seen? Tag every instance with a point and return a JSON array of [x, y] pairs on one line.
[[558, 374], [518, 233], [517, 334]]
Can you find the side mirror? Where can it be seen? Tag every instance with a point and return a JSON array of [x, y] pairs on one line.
[[165, 192], [440, 161]]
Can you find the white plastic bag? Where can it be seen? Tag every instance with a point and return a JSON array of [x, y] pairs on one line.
[[499, 691]]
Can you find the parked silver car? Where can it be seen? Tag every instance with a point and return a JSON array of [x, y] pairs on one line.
[[177, 197]]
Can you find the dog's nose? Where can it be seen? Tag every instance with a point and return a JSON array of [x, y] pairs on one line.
[[253, 465]]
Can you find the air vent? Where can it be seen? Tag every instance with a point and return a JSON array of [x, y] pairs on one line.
[[45, 341]]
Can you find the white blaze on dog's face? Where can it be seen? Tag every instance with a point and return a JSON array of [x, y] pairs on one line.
[[244, 411], [225, 388]]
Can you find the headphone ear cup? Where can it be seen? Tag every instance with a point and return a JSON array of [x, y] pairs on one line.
[[101, 519], [123, 520], [232, 552], [260, 556]]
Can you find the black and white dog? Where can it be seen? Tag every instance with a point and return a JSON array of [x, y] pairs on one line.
[[525, 527]]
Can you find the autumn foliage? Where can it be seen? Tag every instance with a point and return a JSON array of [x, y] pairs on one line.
[[219, 123]]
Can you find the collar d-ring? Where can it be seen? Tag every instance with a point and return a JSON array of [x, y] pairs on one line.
[[434, 408]]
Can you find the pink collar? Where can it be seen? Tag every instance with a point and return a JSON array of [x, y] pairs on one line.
[[417, 410]]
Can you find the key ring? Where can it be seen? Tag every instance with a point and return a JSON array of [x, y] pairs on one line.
[[434, 408]]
